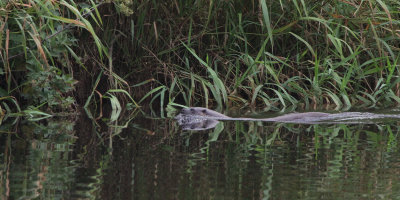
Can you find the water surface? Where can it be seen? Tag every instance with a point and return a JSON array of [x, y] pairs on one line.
[[155, 159]]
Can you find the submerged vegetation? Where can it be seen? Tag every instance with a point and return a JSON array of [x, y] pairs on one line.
[[257, 53]]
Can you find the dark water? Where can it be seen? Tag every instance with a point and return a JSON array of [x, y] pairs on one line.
[[154, 159]]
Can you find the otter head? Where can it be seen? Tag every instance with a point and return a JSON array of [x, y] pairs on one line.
[[186, 114], [186, 111], [194, 111]]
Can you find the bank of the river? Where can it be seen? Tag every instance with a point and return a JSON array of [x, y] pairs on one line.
[[270, 54]]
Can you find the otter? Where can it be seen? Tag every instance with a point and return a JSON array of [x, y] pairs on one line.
[[199, 113], [198, 118]]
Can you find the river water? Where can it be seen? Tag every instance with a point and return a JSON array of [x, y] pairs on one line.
[[143, 158]]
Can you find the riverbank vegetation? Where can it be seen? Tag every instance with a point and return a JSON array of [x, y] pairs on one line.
[[56, 55]]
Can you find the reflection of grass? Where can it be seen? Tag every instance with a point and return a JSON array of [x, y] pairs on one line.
[[307, 161], [250, 160], [38, 165]]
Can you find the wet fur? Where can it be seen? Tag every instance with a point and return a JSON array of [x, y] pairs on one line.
[[199, 111], [207, 113]]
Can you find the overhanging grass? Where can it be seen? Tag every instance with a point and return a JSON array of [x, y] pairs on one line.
[[270, 54]]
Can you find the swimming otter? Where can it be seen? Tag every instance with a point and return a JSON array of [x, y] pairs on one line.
[[198, 118], [199, 113], [202, 112]]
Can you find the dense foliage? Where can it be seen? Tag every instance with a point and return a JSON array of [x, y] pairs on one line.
[[271, 54]]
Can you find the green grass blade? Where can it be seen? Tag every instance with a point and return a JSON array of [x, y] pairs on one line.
[[267, 21]]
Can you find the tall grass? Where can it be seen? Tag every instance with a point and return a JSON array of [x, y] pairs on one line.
[[38, 53], [258, 53], [271, 54], [34, 51]]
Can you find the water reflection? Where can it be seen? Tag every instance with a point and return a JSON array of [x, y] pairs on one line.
[[37, 160], [155, 159]]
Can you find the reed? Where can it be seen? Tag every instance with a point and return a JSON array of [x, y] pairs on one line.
[[270, 54]]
